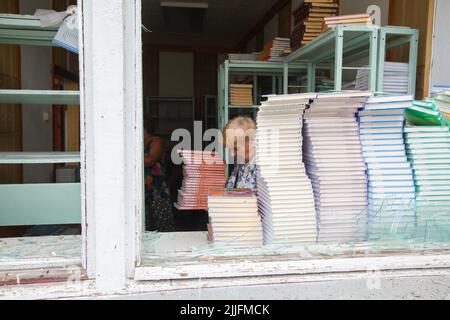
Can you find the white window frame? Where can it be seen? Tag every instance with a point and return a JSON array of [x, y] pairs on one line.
[[112, 139], [112, 153]]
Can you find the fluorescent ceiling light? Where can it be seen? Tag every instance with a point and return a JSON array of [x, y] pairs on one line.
[[183, 4]]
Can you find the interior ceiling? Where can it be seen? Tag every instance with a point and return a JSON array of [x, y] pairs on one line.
[[223, 24]]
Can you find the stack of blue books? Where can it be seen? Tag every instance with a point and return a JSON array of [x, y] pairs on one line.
[[391, 189]]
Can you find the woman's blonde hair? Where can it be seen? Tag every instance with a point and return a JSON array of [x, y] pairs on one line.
[[243, 124]]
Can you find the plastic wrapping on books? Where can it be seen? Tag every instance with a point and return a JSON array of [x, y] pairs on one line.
[[425, 113]]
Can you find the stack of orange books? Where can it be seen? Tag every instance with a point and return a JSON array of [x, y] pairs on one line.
[[363, 18], [202, 171], [308, 20], [241, 94]]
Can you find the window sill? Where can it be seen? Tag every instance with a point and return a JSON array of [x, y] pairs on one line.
[[178, 256], [40, 260]]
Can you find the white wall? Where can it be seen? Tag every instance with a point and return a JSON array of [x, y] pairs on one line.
[[441, 45], [359, 6], [176, 79], [176, 74], [36, 74]]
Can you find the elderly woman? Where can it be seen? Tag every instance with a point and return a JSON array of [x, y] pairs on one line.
[[239, 139]]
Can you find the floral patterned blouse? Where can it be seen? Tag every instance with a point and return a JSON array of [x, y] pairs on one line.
[[155, 178], [243, 176]]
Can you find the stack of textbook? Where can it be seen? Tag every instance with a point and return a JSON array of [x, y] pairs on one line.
[[442, 101], [428, 150], [202, 170], [308, 20], [244, 56], [352, 19], [335, 165], [395, 80], [241, 94], [277, 49], [391, 185], [285, 196], [234, 218]]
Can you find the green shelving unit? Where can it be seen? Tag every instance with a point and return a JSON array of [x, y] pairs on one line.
[[342, 45], [392, 37], [335, 49], [252, 71], [39, 97], [39, 157], [36, 204], [25, 30]]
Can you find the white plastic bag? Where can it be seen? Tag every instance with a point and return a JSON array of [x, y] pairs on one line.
[[67, 36]]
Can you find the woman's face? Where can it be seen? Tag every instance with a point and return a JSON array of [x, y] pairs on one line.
[[243, 150]]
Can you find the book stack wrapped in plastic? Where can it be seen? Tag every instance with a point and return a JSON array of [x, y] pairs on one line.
[[335, 165], [201, 170], [234, 218], [442, 102], [391, 193], [285, 196], [426, 113]]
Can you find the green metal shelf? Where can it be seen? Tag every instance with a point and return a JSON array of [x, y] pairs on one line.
[[243, 107], [261, 67], [339, 45], [25, 30], [46, 204], [345, 44], [40, 204], [392, 37], [334, 49], [39, 157], [40, 97], [254, 70]]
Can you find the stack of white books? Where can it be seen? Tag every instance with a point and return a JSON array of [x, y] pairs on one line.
[[391, 185], [335, 165], [395, 78], [285, 196], [234, 218], [428, 150], [244, 56], [277, 49]]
